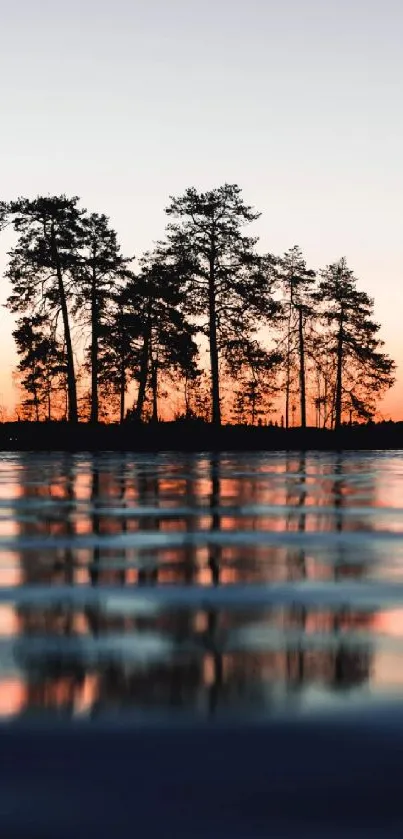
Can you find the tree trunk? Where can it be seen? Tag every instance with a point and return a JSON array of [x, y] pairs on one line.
[[71, 377], [253, 402], [287, 398], [288, 365], [154, 380], [36, 402], [186, 394], [122, 363], [154, 387], [302, 366], [143, 370], [326, 401], [122, 389], [49, 387], [339, 375], [94, 415], [215, 375]]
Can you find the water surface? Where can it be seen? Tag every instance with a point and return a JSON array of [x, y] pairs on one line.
[[207, 585]]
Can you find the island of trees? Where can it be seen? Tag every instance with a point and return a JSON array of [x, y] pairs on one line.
[[204, 327]]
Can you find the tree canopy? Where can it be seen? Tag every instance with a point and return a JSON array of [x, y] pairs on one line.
[[102, 334]]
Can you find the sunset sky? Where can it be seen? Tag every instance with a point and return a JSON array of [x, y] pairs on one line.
[[298, 101]]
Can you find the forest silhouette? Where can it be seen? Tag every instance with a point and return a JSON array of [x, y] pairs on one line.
[[204, 329]]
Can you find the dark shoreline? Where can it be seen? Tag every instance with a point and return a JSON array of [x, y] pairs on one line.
[[194, 437]]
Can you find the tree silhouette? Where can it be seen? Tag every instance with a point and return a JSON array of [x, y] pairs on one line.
[[42, 365], [296, 281], [70, 284], [196, 393], [118, 353], [362, 370], [224, 277], [97, 275], [255, 370], [40, 269], [322, 373], [165, 333], [4, 214]]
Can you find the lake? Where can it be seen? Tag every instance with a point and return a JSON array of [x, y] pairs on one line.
[[199, 585]]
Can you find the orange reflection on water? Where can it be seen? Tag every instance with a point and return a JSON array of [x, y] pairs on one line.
[[12, 697], [8, 620], [213, 657]]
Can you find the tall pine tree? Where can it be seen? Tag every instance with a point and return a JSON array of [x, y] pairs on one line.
[[363, 371], [296, 282], [225, 283], [166, 337], [98, 274], [41, 267]]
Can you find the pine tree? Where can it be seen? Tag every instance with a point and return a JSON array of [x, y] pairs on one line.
[[118, 346], [297, 285], [42, 365], [363, 371], [224, 280], [166, 336], [98, 273], [40, 270]]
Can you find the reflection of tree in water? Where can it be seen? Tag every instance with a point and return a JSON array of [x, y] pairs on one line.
[[345, 666], [57, 680], [148, 492], [298, 664], [203, 672], [351, 666], [228, 679], [122, 489], [92, 615], [180, 680], [50, 682], [214, 562], [215, 501], [95, 520], [108, 486], [190, 560], [296, 562]]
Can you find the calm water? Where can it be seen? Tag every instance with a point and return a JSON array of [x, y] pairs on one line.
[[199, 585]]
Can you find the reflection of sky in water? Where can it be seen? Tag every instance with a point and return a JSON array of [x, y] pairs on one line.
[[245, 583]]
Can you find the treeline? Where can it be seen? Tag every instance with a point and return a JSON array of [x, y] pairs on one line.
[[101, 335]]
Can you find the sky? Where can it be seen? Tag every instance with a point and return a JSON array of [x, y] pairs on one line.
[[125, 103]]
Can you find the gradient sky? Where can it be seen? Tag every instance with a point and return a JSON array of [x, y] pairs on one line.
[[298, 101]]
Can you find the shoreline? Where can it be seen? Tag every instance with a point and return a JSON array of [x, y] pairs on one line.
[[194, 437]]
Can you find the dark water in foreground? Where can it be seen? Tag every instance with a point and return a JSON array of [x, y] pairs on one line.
[[199, 585]]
